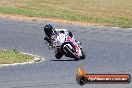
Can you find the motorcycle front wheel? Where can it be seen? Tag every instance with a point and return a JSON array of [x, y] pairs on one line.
[[71, 53]]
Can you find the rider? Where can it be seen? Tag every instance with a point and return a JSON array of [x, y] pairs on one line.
[[49, 31]]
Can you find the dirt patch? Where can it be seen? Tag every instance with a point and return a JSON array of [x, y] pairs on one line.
[[21, 17]]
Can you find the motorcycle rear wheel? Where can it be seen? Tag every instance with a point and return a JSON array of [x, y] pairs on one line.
[[58, 55]]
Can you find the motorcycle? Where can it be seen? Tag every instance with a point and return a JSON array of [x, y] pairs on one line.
[[66, 45]]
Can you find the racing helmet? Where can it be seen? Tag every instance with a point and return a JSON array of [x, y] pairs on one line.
[[48, 29]]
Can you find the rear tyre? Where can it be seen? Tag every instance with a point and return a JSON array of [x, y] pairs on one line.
[[58, 55], [69, 51]]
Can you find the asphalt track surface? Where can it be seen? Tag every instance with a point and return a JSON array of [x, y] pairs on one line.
[[108, 50]]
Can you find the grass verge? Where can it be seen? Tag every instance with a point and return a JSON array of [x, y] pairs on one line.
[[108, 12], [10, 57]]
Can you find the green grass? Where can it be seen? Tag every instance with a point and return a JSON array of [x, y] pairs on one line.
[[10, 57], [110, 12]]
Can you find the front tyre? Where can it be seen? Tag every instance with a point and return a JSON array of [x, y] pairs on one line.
[[71, 53], [83, 55]]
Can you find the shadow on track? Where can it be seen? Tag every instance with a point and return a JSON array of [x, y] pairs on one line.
[[62, 60]]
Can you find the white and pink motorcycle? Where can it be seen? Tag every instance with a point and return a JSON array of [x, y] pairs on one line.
[[66, 45]]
